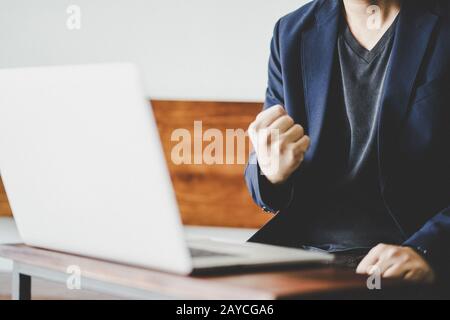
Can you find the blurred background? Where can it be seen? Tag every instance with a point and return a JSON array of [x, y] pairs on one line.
[[186, 49]]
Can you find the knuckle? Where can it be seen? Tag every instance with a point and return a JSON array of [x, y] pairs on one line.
[[261, 114], [377, 249], [276, 111], [289, 120], [307, 142], [284, 121], [405, 258], [278, 108], [393, 252], [300, 129]]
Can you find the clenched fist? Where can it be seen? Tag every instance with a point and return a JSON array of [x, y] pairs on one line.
[[280, 144]]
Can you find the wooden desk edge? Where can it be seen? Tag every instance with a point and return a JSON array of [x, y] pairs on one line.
[[190, 287]]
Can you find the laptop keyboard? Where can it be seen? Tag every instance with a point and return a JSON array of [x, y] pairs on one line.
[[200, 253]]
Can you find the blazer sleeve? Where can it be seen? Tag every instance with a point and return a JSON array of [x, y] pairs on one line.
[[433, 241], [271, 198], [274, 93]]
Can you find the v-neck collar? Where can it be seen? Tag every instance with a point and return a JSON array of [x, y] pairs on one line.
[[368, 55]]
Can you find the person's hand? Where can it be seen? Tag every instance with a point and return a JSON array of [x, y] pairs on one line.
[[396, 262], [280, 144]]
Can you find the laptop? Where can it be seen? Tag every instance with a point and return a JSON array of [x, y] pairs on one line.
[[84, 171]]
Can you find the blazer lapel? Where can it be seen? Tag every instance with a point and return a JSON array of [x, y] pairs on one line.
[[318, 51], [413, 34]]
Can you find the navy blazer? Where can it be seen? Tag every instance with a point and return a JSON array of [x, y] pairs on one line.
[[413, 140]]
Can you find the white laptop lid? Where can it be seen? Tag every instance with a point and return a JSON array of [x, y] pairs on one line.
[[83, 167]]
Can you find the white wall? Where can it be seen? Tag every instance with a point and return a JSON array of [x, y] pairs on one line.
[[187, 49]]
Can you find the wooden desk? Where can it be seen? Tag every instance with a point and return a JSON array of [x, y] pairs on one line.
[[137, 283]]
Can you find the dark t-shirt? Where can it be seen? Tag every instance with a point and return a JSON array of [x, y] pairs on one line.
[[356, 217]]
